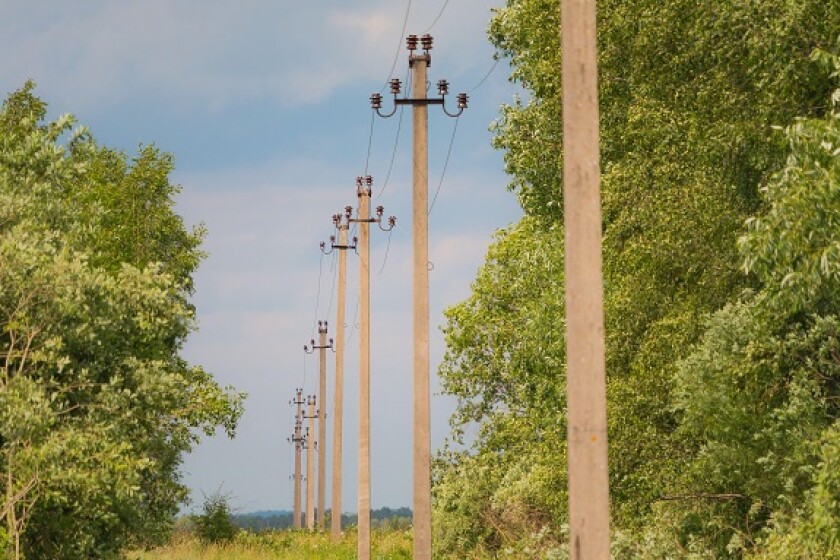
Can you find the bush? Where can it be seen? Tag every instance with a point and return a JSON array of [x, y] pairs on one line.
[[215, 525]]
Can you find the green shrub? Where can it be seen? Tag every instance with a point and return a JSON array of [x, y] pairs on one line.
[[215, 525]]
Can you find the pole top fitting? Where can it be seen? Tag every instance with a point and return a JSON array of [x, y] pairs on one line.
[[426, 42], [363, 185]]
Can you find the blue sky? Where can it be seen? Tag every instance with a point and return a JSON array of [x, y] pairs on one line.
[[265, 106]]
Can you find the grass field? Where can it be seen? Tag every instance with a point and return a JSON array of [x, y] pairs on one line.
[[283, 545]]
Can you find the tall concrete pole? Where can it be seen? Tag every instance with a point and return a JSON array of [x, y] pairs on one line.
[[338, 397], [587, 416], [422, 417], [364, 374], [298, 444], [310, 465], [298, 440], [422, 488], [322, 426]]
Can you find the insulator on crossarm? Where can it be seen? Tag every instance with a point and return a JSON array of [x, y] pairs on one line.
[[426, 42]]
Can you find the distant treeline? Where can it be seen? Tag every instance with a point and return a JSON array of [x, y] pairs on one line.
[[269, 520]]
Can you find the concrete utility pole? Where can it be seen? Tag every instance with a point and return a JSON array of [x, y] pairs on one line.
[[363, 191], [587, 403], [310, 464], [342, 224], [321, 413], [299, 441], [422, 489]]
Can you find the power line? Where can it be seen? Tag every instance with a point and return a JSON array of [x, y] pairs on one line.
[[318, 293], [393, 154], [445, 165], [333, 284], [355, 326], [487, 75], [399, 46], [370, 144], [396, 141], [387, 250], [440, 13], [303, 382]]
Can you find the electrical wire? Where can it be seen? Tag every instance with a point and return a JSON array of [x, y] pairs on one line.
[[440, 13], [370, 142], [487, 75], [333, 283], [393, 154], [387, 250], [399, 46], [318, 294], [396, 138], [303, 383], [445, 164], [355, 326]]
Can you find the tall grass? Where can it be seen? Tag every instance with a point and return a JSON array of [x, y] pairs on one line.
[[283, 545]]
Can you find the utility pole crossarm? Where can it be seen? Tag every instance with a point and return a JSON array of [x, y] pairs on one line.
[[421, 100]]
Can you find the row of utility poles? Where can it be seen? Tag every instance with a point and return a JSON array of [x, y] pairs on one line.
[[587, 444], [419, 60]]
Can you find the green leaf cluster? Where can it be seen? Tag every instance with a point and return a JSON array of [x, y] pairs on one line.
[[96, 406]]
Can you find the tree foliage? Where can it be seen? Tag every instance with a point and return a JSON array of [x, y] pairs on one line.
[[96, 406], [719, 252]]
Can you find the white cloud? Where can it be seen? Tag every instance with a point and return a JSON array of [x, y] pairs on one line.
[[212, 54]]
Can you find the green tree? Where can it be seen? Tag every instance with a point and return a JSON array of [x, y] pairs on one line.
[[759, 396], [96, 406], [689, 93]]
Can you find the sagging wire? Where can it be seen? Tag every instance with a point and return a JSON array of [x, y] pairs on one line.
[[487, 75], [355, 326], [445, 165], [387, 250], [440, 13], [399, 48], [370, 143], [393, 154], [318, 294], [396, 140], [333, 283]]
